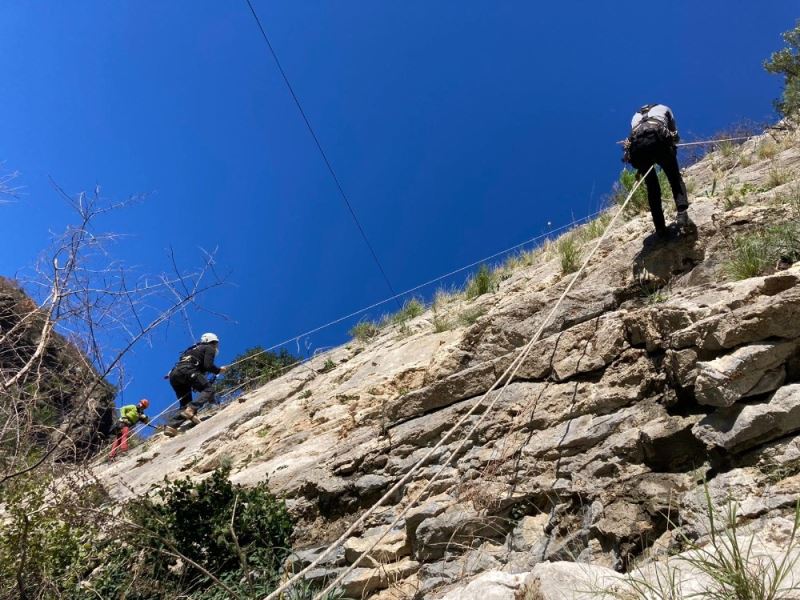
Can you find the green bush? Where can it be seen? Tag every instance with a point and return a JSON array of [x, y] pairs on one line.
[[65, 542], [45, 541], [786, 62], [240, 535], [258, 367], [483, 282]]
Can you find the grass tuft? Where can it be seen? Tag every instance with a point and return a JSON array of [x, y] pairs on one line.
[[777, 176], [483, 282], [470, 316], [364, 331], [638, 203], [411, 308], [569, 254], [755, 253], [594, 228]]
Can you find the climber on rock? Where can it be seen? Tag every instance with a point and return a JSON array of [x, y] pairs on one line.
[[652, 141], [130, 415], [189, 374]]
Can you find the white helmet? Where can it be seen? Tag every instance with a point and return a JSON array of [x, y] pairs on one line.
[[207, 338]]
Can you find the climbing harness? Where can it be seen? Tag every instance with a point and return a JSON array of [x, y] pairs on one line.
[[506, 377]]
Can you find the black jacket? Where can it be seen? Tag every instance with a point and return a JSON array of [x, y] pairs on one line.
[[199, 357]]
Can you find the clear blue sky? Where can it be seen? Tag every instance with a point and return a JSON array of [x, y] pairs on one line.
[[457, 129]]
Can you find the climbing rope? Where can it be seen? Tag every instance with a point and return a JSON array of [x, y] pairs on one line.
[[139, 428], [700, 143], [507, 376], [419, 287], [733, 139]]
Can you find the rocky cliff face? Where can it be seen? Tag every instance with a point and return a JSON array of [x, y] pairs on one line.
[[657, 374], [62, 389]]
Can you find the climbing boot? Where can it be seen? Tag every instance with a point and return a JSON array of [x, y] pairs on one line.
[[683, 221], [190, 413], [170, 431]]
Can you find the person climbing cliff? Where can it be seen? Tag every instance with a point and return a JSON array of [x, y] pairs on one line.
[[652, 141], [130, 415], [189, 374]]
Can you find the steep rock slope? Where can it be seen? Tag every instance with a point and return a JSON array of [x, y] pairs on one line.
[[655, 375]]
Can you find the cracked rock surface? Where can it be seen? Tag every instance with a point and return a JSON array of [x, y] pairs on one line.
[[628, 412]]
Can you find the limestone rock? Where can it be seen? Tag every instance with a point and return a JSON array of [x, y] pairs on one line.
[[360, 582], [435, 535], [749, 370], [492, 585], [743, 426], [569, 581], [391, 548], [529, 533]]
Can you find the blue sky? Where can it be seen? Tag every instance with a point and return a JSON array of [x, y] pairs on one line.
[[456, 128]]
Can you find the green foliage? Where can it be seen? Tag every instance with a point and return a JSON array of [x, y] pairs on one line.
[[594, 228], [441, 323], [786, 62], [733, 566], [755, 253], [411, 308], [304, 590], [767, 150], [258, 367], [328, 366], [569, 254], [638, 203], [364, 331], [44, 545], [733, 196], [778, 176], [232, 531], [65, 542], [483, 282]]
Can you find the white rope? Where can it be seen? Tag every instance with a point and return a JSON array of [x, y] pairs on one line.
[[681, 145], [420, 286], [512, 369], [139, 428], [733, 139]]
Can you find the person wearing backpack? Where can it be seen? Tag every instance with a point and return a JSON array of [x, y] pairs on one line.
[[652, 141], [189, 374], [130, 415]]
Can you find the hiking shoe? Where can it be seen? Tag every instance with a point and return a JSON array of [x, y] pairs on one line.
[[682, 219], [170, 431], [188, 412]]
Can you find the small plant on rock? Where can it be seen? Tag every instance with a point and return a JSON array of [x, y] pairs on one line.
[[470, 316], [364, 331], [483, 282], [411, 308], [777, 176], [569, 254]]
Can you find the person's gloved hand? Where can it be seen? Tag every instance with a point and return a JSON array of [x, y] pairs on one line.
[[675, 137], [144, 419]]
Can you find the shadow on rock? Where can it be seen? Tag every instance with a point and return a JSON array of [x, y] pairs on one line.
[[666, 257]]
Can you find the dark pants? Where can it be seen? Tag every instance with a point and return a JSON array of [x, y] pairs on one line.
[[650, 148], [183, 383]]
